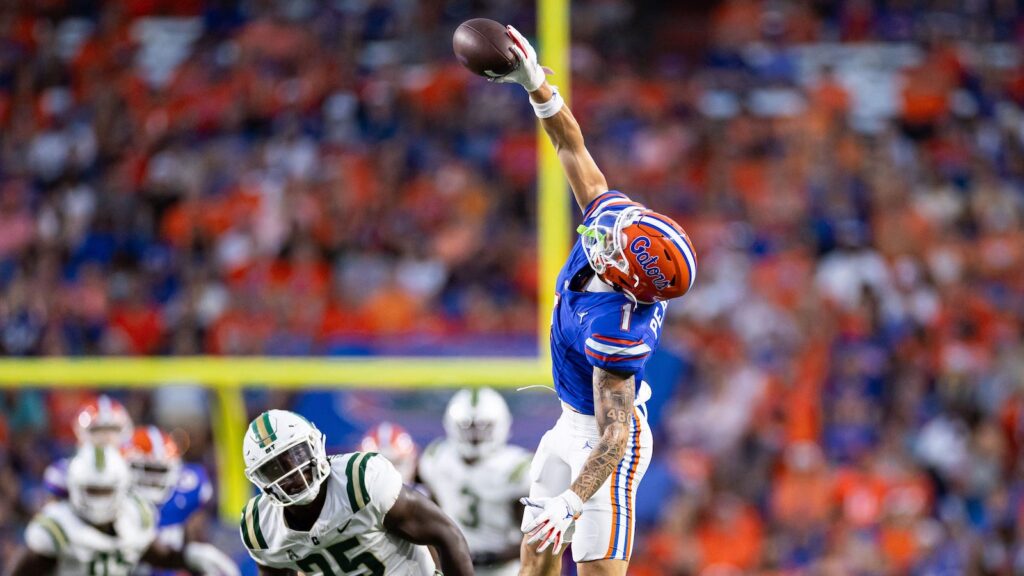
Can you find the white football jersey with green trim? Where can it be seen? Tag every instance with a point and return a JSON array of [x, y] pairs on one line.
[[80, 548], [349, 536], [481, 496]]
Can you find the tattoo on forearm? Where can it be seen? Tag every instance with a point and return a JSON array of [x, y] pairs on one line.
[[613, 407]]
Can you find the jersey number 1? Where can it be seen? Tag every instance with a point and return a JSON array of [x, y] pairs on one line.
[[316, 562]]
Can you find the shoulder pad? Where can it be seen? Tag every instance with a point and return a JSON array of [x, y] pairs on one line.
[[146, 512], [355, 479], [252, 531], [52, 528]]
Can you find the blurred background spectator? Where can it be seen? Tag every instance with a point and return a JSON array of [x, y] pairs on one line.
[[841, 393]]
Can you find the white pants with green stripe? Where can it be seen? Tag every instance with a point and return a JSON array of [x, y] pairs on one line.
[[604, 529]]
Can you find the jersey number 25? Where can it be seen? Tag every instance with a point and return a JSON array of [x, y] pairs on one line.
[[316, 562]]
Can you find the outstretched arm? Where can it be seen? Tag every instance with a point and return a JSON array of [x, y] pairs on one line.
[[420, 521], [585, 178], [560, 125]]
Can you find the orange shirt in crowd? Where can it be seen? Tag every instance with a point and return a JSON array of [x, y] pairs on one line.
[[802, 497], [732, 541], [141, 326], [860, 496], [899, 545]]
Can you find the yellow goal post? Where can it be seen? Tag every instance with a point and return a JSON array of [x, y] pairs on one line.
[[226, 377]]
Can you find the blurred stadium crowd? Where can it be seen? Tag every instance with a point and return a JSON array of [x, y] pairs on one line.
[[841, 392]]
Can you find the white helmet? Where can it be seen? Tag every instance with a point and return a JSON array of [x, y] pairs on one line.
[[477, 421], [285, 457], [98, 481]]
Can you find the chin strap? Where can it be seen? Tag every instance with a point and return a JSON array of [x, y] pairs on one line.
[[632, 298]]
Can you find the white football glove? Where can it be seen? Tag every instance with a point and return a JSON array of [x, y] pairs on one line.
[[205, 559], [556, 516], [528, 72]]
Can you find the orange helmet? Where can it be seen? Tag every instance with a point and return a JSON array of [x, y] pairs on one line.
[[394, 443], [104, 422], [155, 463], [643, 254]]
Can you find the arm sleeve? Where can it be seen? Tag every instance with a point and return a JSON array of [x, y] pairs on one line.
[[597, 205], [618, 342], [384, 484]]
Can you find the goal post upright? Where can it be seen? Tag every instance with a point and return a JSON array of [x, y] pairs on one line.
[[552, 191]]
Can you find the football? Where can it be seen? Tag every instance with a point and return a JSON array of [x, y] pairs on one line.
[[483, 46]]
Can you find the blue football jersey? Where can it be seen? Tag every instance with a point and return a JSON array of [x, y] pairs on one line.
[[192, 492], [598, 329]]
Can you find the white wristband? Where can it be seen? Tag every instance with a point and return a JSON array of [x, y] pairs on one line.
[[551, 107]]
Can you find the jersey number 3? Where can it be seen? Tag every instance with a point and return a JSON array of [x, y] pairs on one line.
[[316, 563]]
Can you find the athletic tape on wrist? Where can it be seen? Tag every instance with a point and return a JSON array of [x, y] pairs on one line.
[[549, 108]]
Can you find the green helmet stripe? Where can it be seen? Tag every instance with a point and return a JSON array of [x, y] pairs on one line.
[[101, 458], [263, 430], [270, 428], [256, 522], [474, 397]]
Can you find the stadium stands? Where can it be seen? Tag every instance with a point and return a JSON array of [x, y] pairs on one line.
[[841, 391]]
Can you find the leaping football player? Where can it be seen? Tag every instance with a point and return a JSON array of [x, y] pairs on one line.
[[610, 302]]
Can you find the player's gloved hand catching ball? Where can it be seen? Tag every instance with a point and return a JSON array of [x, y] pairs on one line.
[[528, 73], [556, 516], [205, 559]]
